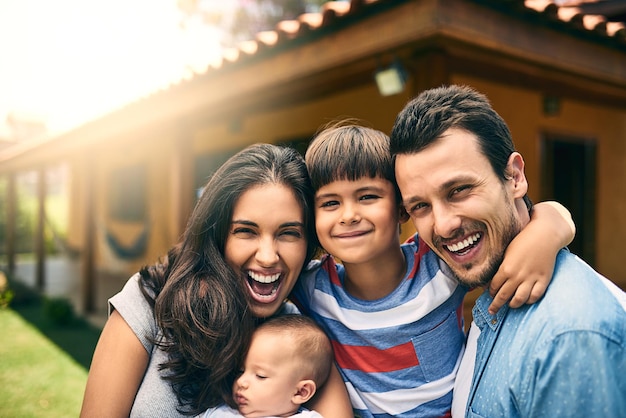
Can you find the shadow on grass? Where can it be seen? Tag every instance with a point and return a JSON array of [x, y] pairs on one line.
[[74, 335]]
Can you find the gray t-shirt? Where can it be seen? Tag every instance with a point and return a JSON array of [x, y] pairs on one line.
[[155, 396]]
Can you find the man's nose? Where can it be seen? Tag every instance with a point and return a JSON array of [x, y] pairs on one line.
[[445, 221]]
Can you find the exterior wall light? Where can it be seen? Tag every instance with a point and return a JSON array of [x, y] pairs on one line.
[[391, 80]]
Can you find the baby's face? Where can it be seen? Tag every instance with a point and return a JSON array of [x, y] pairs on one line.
[[269, 378]]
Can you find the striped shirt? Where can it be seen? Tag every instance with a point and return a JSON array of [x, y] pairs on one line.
[[398, 355]]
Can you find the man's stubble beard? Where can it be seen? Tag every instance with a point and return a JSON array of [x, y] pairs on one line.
[[510, 230]]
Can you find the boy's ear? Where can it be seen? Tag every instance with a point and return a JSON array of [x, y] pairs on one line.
[[403, 215], [304, 391]]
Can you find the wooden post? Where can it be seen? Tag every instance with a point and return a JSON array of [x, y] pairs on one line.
[[40, 248], [88, 275], [182, 174], [11, 222]]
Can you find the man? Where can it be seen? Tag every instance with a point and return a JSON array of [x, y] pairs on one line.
[[464, 187]]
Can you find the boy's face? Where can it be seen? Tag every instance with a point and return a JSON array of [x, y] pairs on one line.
[[458, 205], [269, 379], [357, 221]]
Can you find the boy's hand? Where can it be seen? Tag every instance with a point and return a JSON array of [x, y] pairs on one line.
[[528, 264], [517, 289]]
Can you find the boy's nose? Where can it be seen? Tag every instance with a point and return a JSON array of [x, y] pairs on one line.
[[349, 216]]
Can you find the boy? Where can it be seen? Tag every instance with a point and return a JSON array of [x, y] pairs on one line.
[[393, 313], [288, 360]]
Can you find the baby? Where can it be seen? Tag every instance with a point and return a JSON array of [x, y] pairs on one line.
[[289, 358]]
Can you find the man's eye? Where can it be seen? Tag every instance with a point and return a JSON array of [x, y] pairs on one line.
[[418, 207], [460, 189]]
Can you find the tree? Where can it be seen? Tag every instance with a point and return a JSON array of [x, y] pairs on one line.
[[240, 20]]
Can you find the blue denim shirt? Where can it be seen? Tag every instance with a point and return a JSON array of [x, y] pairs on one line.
[[564, 356]]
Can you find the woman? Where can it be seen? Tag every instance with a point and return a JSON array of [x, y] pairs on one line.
[[178, 330]]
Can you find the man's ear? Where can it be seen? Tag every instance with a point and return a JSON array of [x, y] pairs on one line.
[[304, 391], [515, 172]]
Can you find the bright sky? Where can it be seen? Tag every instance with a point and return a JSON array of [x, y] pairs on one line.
[[71, 61]]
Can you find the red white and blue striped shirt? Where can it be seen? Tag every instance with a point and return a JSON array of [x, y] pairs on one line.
[[398, 355]]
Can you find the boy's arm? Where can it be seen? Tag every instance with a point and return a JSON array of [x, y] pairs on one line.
[[529, 259]]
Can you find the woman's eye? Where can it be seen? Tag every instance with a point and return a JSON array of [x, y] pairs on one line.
[[292, 233], [243, 231]]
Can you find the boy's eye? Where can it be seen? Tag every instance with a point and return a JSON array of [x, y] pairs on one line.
[[261, 377], [329, 204], [369, 197]]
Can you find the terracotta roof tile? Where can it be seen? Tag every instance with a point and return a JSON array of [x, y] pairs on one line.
[[566, 15], [569, 13]]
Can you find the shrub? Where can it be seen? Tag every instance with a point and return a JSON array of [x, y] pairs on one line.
[[59, 310], [23, 295], [6, 294]]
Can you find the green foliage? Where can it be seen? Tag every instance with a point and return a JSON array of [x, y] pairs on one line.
[[241, 20], [22, 294], [6, 294], [59, 310]]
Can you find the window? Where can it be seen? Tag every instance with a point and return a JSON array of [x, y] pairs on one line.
[[569, 177], [127, 194]]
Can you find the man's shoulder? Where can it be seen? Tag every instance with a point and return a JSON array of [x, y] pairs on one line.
[[577, 299]]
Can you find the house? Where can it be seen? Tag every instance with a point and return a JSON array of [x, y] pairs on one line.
[[556, 72]]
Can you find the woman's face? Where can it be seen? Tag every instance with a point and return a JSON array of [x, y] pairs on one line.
[[267, 244]]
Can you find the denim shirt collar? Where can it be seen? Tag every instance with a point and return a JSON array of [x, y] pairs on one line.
[[481, 314]]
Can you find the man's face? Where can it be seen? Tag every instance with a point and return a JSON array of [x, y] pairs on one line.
[[458, 205]]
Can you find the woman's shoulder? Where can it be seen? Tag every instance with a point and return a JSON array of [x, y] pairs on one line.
[[132, 305]]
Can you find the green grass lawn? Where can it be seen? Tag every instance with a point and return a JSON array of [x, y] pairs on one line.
[[43, 366]]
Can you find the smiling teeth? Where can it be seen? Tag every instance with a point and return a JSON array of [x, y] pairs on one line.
[[261, 278], [459, 246]]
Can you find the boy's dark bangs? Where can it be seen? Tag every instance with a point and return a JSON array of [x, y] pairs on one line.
[[350, 166]]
